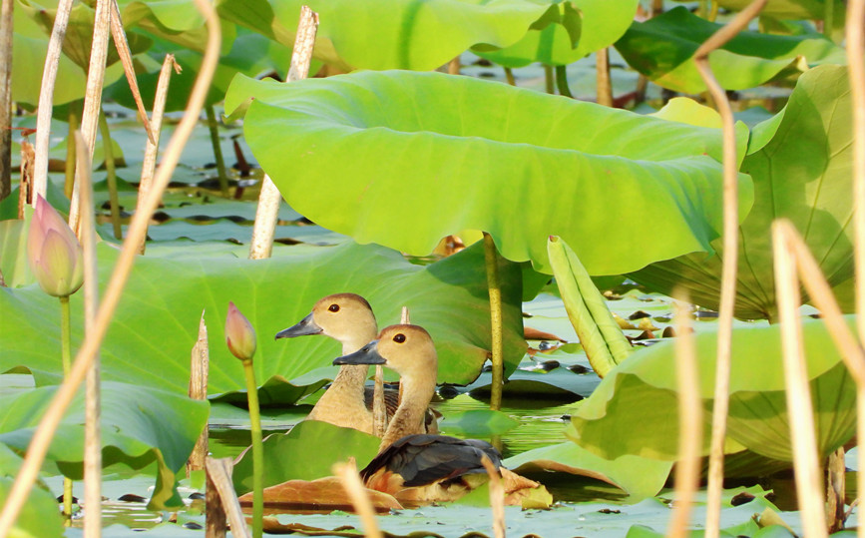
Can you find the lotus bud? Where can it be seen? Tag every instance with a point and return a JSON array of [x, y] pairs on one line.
[[240, 335], [53, 251]]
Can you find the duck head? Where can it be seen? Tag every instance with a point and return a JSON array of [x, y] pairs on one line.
[[405, 348], [340, 316]]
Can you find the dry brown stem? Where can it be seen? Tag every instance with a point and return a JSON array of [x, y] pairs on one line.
[[219, 471], [46, 97], [6, 8], [25, 189], [730, 239], [198, 376], [497, 497], [807, 470], [122, 45], [351, 481], [262, 242], [48, 424], [603, 87], [688, 468]]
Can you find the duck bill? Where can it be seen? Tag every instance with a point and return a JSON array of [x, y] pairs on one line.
[[304, 327], [368, 355]]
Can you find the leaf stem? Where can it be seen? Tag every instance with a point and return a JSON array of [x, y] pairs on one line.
[[66, 357], [491, 263], [562, 82], [509, 76], [548, 79], [217, 150], [258, 454], [108, 152]]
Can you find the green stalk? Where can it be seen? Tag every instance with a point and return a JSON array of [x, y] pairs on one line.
[[70, 157], [258, 452], [509, 76], [548, 79], [217, 149], [66, 355], [108, 150], [562, 82], [829, 6], [714, 10], [491, 263]]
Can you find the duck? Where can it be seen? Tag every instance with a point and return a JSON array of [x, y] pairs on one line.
[[414, 467], [349, 319]]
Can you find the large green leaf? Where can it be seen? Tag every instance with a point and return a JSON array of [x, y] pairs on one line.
[[156, 323], [380, 156], [662, 49], [312, 447], [641, 477], [634, 410], [139, 426], [800, 161], [567, 32], [391, 34]]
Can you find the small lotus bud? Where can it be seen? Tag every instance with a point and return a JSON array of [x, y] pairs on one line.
[[53, 251], [240, 335]]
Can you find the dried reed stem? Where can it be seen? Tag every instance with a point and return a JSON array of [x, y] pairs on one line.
[[454, 66], [25, 187], [351, 481], [220, 473], [86, 354], [265, 225], [152, 148], [497, 497], [92, 398], [111, 175], [730, 239], [6, 8], [46, 97], [854, 30], [122, 46], [603, 86], [807, 470], [688, 470], [198, 375], [92, 95]]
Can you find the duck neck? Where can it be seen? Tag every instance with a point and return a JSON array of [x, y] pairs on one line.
[[345, 397], [409, 417]]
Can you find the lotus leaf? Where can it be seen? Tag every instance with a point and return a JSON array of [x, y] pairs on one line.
[[391, 34], [786, 9], [662, 49], [589, 171], [567, 32], [640, 477], [472, 423], [157, 320], [616, 420], [139, 426], [800, 161], [39, 516], [306, 452]]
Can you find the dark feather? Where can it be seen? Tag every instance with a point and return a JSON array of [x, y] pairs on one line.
[[422, 459]]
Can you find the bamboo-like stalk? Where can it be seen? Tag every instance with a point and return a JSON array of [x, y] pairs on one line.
[[92, 398], [198, 376], [46, 97], [265, 225], [807, 469], [108, 152], [220, 473], [730, 239], [92, 95], [854, 38], [688, 470], [347, 473], [6, 9], [213, 128], [152, 148], [603, 86], [497, 496], [122, 46], [492, 264], [137, 229]]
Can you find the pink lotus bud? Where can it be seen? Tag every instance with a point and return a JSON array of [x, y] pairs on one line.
[[240, 335], [53, 252]]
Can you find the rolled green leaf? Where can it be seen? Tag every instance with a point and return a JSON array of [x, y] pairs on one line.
[[600, 335]]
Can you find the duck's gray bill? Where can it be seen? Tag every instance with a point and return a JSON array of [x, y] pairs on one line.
[[304, 327], [368, 355]]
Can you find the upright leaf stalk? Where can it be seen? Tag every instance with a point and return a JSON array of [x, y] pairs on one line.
[[492, 264]]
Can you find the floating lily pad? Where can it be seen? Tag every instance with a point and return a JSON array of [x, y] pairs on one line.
[[662, 49], [358, 137]]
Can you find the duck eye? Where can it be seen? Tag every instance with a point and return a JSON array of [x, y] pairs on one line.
[[334, 308], [399, 338]]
